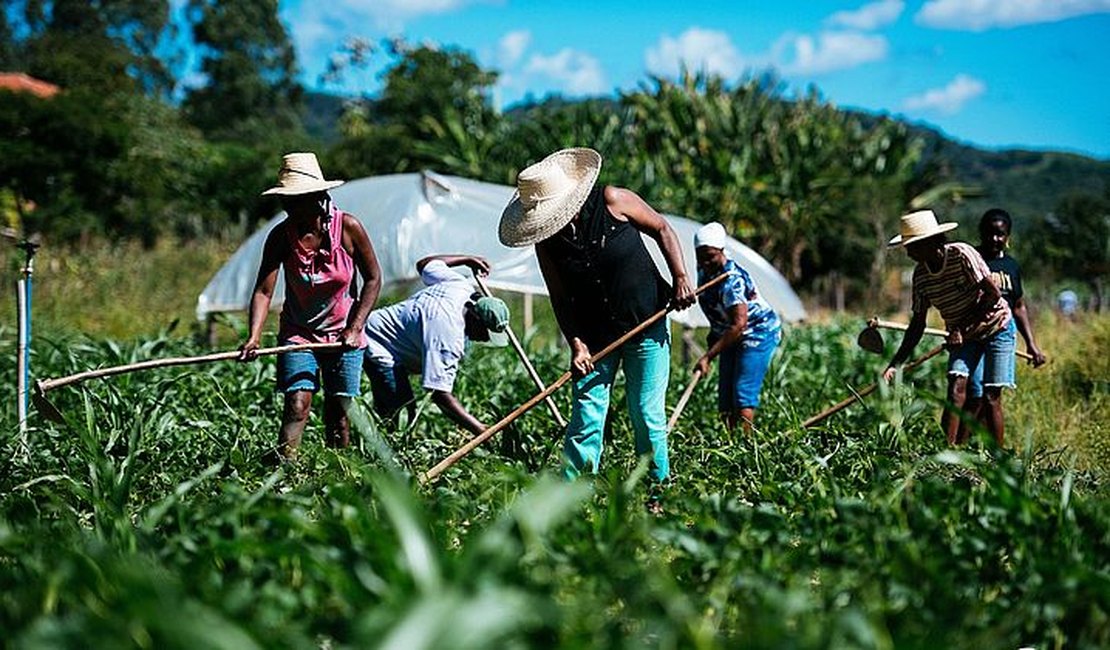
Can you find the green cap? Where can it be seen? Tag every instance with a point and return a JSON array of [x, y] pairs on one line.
[[494, 314]]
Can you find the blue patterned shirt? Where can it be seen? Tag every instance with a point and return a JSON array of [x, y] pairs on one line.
[[736, 289]]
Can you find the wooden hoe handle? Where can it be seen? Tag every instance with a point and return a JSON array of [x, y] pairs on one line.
[[515, 342], [44, 385], [870, 388], [677, 413], [891, 325]]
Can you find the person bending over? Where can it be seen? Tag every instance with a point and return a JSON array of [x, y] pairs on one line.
[[954, 278], [427, 334]]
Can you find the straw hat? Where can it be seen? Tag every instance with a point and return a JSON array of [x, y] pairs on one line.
[[920, 225], [300, 174], [712, 235], [549, 195]]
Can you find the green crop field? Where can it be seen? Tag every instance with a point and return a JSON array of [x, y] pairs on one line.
[[148, 520]]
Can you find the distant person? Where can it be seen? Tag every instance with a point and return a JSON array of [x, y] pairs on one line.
[[955, 279], [1068, 303], [995, 227], [427, 334], [743, 329], [602, 283], [319, 247]]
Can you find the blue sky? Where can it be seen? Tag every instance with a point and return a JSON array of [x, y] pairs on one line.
[[993, 73]]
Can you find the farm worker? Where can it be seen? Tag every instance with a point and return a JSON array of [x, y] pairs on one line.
[[602, 283], [319, 247], [1067, 301], [428, 334], [955, 279], [994, 238], [743, 329]]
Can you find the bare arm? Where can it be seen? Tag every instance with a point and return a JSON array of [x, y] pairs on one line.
[[738, 316], [1025, 328], [263, 292], [454, 410], [628, 204], [357, 243], [477, 263], [913, 336]]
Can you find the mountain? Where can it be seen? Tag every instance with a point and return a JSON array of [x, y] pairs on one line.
[[321, 116], [1026, 183]]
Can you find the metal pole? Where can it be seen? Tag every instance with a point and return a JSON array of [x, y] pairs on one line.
[[23, 355], [21, 378]]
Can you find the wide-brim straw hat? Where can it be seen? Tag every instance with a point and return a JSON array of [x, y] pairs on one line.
[[300, 173], [919, 225], [549, 195]]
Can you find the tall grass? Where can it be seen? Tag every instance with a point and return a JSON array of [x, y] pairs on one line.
[[1065, 405], [149, 520], [116, 290]]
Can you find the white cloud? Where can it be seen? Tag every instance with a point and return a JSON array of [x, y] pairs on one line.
[[802, 54], [317, 28], [398, 10], [950, 99], [699, 49], [512, 46], [572, 71], [870, 16], [979, 15]]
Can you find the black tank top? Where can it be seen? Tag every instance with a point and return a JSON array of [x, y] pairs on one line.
[[608, 275]]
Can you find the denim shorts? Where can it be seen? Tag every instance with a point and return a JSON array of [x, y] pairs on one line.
[[302, 370], [741, 371], [987, 362]]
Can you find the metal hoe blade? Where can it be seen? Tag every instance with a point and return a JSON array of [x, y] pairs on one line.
[[871, 340], [44, 406]]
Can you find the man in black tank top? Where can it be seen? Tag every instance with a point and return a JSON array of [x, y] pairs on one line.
[[602, 283]]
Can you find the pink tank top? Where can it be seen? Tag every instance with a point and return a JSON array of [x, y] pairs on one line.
[[318, 286]]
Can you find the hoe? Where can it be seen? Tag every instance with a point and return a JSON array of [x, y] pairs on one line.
[[51, 412]]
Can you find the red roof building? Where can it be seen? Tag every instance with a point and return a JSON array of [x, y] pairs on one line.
[[19, 82]]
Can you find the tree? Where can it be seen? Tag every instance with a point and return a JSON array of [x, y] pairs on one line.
[[805, 183], [1073, 241], [106, 45], [433, 112], [532, 132], [249, 66], [427, 81]]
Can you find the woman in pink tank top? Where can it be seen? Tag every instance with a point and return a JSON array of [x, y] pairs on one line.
[[319, 247]]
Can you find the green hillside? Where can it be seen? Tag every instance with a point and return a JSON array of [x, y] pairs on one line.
[[1026, 183]]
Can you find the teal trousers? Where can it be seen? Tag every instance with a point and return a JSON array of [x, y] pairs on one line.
[[647, 366]]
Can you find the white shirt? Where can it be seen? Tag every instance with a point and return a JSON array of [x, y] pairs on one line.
[[426, 332]]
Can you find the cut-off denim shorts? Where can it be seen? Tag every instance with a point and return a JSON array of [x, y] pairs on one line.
[[988, 362], [742, 368], [341, 372]]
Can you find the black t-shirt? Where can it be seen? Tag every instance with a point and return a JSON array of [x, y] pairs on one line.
[[1006, 273]]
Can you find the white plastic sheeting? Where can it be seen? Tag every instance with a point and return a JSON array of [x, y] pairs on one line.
[[409, 216]]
